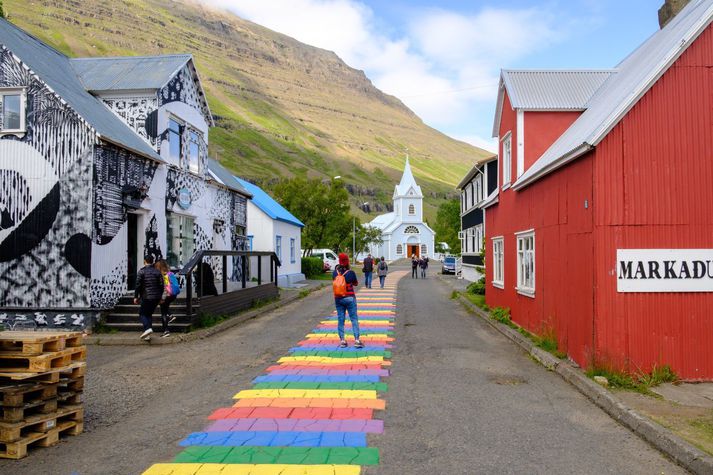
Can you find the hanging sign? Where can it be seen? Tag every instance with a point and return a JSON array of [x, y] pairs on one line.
[[183, 197], [664, 270]]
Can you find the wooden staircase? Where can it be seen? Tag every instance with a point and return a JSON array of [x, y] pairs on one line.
[[125, 316]]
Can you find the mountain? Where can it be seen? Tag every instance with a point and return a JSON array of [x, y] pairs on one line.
[[282, 108]]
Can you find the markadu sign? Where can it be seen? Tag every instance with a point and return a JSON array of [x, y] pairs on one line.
[[664, 270]]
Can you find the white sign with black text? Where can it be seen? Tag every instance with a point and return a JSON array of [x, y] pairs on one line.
[[664, 270]]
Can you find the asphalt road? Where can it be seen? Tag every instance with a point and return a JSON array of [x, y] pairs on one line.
[[461, 399]]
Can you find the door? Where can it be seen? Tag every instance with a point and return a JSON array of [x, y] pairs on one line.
[[132, 249], [414, 249]]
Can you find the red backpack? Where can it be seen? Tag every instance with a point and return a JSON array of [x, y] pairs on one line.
[[339, 285]]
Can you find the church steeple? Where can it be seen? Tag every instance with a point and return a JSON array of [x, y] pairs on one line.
[[408, 183]]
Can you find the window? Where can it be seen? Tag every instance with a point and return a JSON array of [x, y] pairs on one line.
[[250, 241], [278, 247], [411, 209], [498, 276], [478, 184], [526, 263], [292, 250], [477, 238], [507, 159], [399, 249], [424, 249], [240, 230], [174, 139], [462, 201], [194, 148], [411, 230], [181, 245], [13, 110]]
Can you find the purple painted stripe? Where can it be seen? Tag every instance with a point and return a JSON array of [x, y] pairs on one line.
[[372, 426], [333, 372]]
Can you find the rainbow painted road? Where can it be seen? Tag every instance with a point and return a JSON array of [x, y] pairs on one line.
[[311, 412]]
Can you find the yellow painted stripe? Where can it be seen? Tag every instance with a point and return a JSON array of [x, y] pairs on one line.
[[306, 393], [329, 359], [247, 469]]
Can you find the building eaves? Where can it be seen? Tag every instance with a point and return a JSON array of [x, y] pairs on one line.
[[636, 74], [471, 173]]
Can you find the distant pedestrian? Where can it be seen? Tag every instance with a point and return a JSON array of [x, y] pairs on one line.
[[423, 264], [368, 271], [343, 282], [414, 267], [382, 269], [171, 289], [149, 289]]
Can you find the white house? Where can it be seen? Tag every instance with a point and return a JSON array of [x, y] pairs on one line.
[[403, 231], [272, 228]]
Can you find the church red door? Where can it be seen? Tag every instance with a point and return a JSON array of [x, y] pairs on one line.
[[414, 249]]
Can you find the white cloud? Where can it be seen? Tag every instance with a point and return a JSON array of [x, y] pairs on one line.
[[445, 67]]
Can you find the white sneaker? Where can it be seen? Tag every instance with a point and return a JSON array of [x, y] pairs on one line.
[[165, 335], [146, 335]]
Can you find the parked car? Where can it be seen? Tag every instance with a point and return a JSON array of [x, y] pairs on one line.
[[449, 265], [328, 257]]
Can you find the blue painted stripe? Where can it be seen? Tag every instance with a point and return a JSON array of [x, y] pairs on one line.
[[276, 439], [296, 378]]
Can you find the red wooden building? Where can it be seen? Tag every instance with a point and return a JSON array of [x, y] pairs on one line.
[[602, 229]]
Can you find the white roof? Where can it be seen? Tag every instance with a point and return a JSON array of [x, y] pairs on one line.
[[635, 75], [383, 220], [407, 182]]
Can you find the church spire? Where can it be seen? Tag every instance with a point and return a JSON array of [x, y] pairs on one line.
[[407, 182]]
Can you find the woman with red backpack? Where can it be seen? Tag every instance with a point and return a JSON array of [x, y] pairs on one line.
[[343, 281]]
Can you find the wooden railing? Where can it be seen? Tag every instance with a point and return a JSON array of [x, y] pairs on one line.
[[197, 258]]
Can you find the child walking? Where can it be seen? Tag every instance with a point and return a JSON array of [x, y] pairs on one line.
[[171, 289], [343, 281]]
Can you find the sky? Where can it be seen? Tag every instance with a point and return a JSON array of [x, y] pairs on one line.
[[443, 59]]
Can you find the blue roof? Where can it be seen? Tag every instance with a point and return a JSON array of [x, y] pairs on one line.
[[268, 205], [56, 70]]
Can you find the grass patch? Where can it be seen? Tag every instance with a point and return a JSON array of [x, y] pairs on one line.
[[547, 340], [477, 300], [303, 293], [454, 295], [323, 276], [640, 383], [101, 327], [208, 320]]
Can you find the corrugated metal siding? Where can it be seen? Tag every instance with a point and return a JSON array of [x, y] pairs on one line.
[[653, 174], [148, 72], [547, 90], [542, 129]]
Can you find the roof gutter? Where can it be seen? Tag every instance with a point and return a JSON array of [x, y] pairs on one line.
[[560, 162]]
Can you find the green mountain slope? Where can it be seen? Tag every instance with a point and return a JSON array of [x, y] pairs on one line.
[[282, 108]]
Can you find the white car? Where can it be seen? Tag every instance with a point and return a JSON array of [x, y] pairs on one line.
[[328, 256]]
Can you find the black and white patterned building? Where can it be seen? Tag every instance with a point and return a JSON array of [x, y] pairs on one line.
[[102, 161]]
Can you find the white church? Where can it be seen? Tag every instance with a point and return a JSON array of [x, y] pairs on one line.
[[403, 231]]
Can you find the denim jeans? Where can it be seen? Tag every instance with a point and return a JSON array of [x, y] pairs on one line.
[[344, 305], [382, 278], [146, 312], [367, 279], [423, 273]]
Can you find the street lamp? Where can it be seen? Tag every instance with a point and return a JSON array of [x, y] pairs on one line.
[[354, 233]]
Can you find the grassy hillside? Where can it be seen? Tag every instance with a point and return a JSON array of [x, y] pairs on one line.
[[282, 108]]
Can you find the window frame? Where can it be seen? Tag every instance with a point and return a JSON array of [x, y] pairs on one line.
[[191, 132], [292, 250], [181, 239], [506, 143], [181, 126], [399, 249], [278, 246], [498, 262], [14, 91], [412, 209], [521, 251]]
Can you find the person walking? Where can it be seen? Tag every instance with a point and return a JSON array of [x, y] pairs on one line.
[[382, 269], [148, 291], [368, 271], [414, 267], [171, 289], [343, 282], [423, 263]]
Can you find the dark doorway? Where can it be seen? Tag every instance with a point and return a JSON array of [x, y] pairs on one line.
[[414, 249], [132, 249]]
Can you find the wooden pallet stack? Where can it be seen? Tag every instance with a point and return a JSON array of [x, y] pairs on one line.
[[41, 384]]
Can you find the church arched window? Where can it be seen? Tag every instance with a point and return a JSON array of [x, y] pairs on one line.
[[399, 249], [411, 230], [411, 209], [424, 250]]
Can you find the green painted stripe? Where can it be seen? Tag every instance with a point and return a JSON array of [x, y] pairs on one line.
[[281, 455], [325, 385]]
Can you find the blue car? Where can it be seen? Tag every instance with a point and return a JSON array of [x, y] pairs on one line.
[[449, 265]]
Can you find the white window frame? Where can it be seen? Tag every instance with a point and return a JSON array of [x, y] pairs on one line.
[[412, 210], [15, 91], [278, 247], [478, 238], [181, 125], [507, 160], [193, 163], [478, 185], [399, 249], [498, 262], [292, 250], [525, 247]]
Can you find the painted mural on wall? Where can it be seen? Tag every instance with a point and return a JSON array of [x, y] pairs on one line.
[[45, 214], [183, 88], [138, 112], [46, 320]]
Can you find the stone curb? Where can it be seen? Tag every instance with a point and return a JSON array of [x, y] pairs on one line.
[[120, 340], [682, 452]]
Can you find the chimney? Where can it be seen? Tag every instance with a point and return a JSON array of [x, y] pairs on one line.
[[670, 9]]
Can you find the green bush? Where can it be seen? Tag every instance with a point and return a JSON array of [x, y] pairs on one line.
[[477, 288], [312, 266]]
